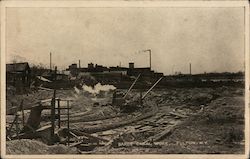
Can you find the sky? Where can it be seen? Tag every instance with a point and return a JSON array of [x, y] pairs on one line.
[[212, 39]]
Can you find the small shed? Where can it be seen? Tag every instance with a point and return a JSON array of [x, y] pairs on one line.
[[18, 74]]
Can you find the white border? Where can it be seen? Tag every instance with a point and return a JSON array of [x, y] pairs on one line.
[[5, 4]]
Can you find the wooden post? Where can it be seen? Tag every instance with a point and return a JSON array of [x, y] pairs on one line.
[[53, 115], [17, 127], [68, 119], [12, 124], [21, 106], [59, 113], [140, 97], [55, 73]]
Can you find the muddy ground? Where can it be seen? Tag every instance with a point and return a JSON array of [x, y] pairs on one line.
[[176, 121]]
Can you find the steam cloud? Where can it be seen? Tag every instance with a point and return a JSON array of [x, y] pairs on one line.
[[98, 88]]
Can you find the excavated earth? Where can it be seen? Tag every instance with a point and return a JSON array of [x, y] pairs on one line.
[[181, 120]]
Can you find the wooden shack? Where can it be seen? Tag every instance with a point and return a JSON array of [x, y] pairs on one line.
[[18, 74]]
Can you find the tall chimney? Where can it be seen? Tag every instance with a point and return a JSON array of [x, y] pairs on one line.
[[79, 63]]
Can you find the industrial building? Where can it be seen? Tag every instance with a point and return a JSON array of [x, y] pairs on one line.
[[118, 70]]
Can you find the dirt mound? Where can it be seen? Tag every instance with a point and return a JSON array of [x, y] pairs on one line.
[[13, 100], [26, 146], [201, 98]]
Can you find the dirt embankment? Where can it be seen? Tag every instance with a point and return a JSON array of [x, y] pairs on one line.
[[26, 146], [30, 99], [219, 128]]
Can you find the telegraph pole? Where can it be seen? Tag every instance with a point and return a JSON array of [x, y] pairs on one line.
[[50, 57], [190, 69], [149, 58], [148, 50]]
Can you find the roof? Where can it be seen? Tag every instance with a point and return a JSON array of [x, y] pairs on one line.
[[118, 68], [142, 68], [17, 67]]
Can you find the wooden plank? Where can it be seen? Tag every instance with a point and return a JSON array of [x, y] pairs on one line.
[[70, 132], [75, 144], [145, 128], [151, 87], [43, 88], [178, 114], [88, 135], [131, 86], [138, 144], [168, 130], [49, 107]]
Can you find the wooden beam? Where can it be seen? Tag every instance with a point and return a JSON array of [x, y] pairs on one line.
[[152, 87], [21, 107], [77, 132], [68, 121], [178, 114], [131, 86], [59, 113], [53, 116]]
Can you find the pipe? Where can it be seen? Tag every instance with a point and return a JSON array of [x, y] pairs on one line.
[[152, 87]]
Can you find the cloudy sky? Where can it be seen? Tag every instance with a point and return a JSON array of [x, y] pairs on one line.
[[212, 39]]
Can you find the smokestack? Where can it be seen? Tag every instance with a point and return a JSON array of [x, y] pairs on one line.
[[79, 63], [190, 69]]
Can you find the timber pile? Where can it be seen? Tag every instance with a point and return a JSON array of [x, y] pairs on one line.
[[96, 115], [94, 129], [158, 137]]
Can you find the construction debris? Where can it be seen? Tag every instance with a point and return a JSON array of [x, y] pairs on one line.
[[87, 127]]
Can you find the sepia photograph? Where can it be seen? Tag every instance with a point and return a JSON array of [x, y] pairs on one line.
[[124, 78]]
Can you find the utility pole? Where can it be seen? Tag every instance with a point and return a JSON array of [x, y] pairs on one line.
[[149, 58], [190, 69], [148, 50], [50, 57], [55, 73]]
